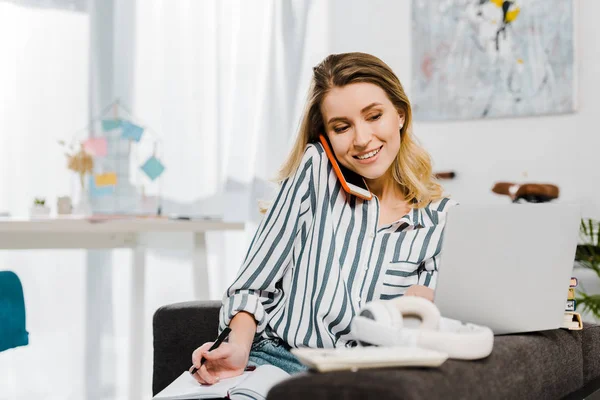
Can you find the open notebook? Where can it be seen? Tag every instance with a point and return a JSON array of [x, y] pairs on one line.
[[254, 385]]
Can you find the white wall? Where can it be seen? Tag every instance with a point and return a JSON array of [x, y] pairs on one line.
[[559, 149]]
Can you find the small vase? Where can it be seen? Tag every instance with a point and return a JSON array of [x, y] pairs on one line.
[[83, 206]]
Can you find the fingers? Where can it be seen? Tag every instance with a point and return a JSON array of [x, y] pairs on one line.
[[208, 374], [204, 377], [221, 352], [196, 376], [197, 354]]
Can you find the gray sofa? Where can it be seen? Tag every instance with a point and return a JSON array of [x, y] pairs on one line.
[[543, 365]]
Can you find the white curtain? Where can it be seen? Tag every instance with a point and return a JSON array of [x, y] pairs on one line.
[[222, 82], [224, 78], [43, 98]]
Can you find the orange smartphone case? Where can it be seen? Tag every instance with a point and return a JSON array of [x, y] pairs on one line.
[[338, 172]]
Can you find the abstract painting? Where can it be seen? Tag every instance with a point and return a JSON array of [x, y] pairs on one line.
[[492, 58]]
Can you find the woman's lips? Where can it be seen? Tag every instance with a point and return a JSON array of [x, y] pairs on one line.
[[370, 160]]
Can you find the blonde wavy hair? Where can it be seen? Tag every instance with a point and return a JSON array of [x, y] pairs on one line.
[[412, 167]]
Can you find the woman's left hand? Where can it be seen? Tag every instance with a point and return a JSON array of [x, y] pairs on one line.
[[420, 291]]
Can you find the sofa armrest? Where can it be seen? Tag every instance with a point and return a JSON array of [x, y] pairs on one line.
[[178, 330]]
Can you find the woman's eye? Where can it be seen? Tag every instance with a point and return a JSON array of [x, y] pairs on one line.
[[376, 117], [340, 129]]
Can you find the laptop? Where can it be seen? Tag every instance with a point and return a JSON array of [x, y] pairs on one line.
[[508, 267]]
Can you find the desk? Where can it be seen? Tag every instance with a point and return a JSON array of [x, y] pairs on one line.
[[137, 234]]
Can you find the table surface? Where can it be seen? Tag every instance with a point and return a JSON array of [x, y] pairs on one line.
[[99, 224]]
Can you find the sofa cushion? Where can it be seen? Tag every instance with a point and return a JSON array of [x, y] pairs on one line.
[[540, 365]]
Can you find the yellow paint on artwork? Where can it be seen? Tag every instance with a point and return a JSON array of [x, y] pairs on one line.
[[512, 14], [108, 179], [520, 61]]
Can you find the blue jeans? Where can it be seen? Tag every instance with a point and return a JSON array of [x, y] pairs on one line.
[[275, 352]]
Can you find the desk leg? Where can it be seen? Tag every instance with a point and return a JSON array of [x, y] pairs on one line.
[[200, 268], [136, 327], [98, 324]]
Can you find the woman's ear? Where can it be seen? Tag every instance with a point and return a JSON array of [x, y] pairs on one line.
[[401, 119]]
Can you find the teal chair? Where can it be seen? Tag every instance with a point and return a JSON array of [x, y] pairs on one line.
[[12, 312]]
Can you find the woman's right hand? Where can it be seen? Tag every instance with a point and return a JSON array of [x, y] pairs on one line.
[[226, 361]]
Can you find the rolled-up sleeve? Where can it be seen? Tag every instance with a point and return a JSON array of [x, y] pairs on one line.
[[256, 288]]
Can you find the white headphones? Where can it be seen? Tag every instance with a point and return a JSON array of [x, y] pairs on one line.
[[416, 322]]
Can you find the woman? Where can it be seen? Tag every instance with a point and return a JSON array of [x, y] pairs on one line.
[[320, 254]]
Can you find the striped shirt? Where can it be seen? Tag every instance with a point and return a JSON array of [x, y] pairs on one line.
[[318, 255]]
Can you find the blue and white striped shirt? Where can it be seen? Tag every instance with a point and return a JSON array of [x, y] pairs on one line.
[[318, 256]]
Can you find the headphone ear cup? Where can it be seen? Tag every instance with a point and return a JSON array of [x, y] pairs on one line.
[[384, 313], [377, 319]]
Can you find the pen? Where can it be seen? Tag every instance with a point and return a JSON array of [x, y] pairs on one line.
[[216, 344]]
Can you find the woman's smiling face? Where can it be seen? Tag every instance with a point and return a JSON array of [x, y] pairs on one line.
[[363, 127]]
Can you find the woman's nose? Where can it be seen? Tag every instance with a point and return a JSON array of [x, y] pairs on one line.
[[362, 135]]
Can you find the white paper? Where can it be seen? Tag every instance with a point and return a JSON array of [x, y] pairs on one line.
[[258, 384], [186, 387]]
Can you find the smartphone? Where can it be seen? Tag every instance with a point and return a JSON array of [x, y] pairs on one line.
[[352, 182]]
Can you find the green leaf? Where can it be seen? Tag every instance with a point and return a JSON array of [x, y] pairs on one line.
[[583, 227], [589, 303]]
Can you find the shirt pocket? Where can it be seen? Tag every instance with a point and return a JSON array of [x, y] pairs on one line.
[[398, 277], [418, 245]]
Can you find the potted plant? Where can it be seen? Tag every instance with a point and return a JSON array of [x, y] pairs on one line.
[[588, 256], [39, 208]]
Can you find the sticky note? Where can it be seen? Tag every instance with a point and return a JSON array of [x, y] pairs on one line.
[[108, 179], [153, 168], [131, 131], [110, 124], [96, 146], [96, 191]]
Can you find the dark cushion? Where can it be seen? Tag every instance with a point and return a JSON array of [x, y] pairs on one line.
[[179, 329], [541, 365]]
